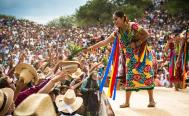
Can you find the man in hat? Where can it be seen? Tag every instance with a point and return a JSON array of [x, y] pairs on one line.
[[36, 104], [7, 103], [68, 104], [89, 89], [44, 87]]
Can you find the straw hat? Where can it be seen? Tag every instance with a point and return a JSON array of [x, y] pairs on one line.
[[6, 99], [69, 62], [69, 66], [36, 104], [26, 72], [77, 74], [68, 103]]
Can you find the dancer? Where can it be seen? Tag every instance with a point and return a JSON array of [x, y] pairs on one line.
[[132, 39]]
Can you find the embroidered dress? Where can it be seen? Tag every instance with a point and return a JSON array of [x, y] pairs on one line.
[[139, 70], [183, 68], [172, 61], [139, 63]]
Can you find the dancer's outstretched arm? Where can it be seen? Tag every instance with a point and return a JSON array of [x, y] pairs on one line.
[[102, 43]]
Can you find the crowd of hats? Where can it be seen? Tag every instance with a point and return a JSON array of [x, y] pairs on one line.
[[41, 104]]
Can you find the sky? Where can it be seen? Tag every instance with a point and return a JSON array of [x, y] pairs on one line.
[[40, 11]]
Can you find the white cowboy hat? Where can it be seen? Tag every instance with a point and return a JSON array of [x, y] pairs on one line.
[[36, 104], [68, 103], [77, 74], [26, 72], [6, 99]]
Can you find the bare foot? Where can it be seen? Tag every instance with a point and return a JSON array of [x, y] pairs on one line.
[[176, 89], [125, 105], [152, 104]]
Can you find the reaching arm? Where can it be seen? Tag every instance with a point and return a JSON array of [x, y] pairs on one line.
[[102, 43], [94, 67], [47, 88], [76, 85]]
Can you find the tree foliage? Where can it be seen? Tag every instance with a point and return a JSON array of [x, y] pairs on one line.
[[63, 21], [7, 17], [132, 8], [100, 11], [95, 12], [175, 7]]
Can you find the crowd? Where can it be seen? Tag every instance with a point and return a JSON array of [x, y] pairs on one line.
[[35, 71], [34, 59]]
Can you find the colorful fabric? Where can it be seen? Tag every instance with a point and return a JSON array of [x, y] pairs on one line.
[[187, 57], [181, 71], [185, 62], [139, 75], [172, 63], [139, 69], [139, 65], [108, 65]]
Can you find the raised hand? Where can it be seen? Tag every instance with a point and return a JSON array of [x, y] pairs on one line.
[[61, 76]]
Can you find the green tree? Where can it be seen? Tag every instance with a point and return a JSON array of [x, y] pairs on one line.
[[63, 21], [66, 21], [7, 17], [132, 8], [100, 11], [53, 23], [95, 12], [175, 7]]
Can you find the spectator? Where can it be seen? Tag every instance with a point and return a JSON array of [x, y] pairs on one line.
[[68, 104], [89, 89], [36, 104], [7, 103]]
